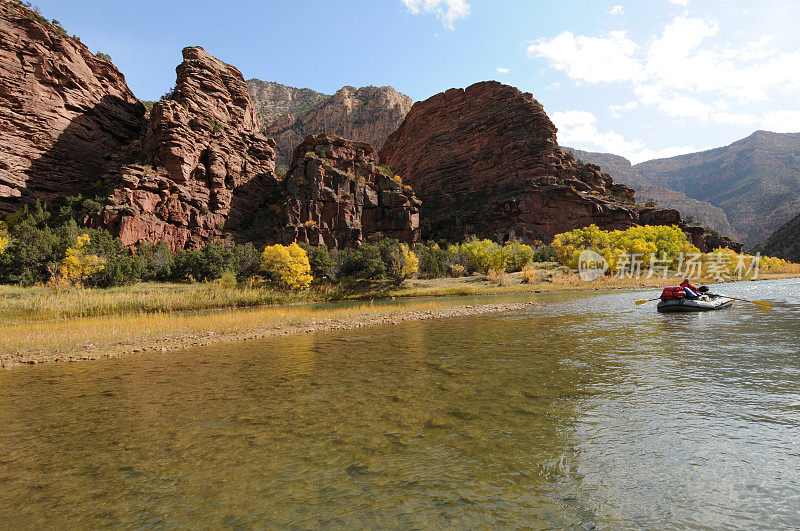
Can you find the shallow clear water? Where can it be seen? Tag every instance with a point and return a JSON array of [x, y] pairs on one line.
[[586, 412]]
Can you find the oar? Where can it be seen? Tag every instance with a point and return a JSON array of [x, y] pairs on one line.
[[638, 303], [761, 304]]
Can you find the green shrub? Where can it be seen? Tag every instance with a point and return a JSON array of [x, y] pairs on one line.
[[158, 261], [121, 266], [544, 253], [362, 262], [228, 279], [324, 262], [478, 255], [433, 260]]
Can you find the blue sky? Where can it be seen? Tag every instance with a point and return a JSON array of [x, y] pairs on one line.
[[641, 79]]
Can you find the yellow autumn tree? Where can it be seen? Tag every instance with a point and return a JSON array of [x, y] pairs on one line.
[[3, 238], [660, 242], [288, 265], [404, 263], [77, 265]]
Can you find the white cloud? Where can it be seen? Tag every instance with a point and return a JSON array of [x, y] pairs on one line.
[[616, 10], [578, 129], [682, 71], [677, 106], [607, 58], [502, 70], [783, 121], [616, 110], [446, 10], [680, 2]]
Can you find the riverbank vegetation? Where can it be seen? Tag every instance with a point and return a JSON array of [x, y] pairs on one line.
[[662, 250], [37, 239], [68, 290], [48, 258]]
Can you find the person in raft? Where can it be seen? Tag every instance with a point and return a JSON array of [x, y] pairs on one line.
[[692, 292]]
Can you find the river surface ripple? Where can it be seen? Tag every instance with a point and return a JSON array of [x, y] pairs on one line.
[[587, 412]]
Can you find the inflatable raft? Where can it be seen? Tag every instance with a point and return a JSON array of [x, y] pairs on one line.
[[703, 304]]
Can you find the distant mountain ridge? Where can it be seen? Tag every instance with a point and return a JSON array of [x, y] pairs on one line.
[[756, 181], [622, 171], [273, 100], [289, 114], [784, 242]]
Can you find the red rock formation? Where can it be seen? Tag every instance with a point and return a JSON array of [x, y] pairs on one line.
[[338, 196], [201, 147], [368, 114], [63, 111], [485, 161]]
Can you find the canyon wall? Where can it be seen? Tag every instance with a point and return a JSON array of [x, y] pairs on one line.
[[64, 112], [202, 146], [485, 161], [755, 180]]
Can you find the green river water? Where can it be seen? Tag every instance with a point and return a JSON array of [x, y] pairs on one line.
[[585, 412]]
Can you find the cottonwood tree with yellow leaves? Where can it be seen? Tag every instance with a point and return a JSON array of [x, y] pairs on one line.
[[645, 241], [3, 238], [77, 265], [404, 263], [287, 265]]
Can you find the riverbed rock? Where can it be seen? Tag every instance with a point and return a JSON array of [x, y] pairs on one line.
[[64, 111], [485, 161], [202, 158], [338, 196]]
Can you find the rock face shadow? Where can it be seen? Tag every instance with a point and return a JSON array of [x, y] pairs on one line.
[[93, 145]]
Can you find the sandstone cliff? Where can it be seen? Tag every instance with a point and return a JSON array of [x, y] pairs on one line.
[[368, 114], [64, 112], [337, 196], [202, 147], [485, 161]]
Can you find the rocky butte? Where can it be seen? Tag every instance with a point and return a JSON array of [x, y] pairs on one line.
[[337, 196], [202, 146], [64, 111], [485, 161]]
